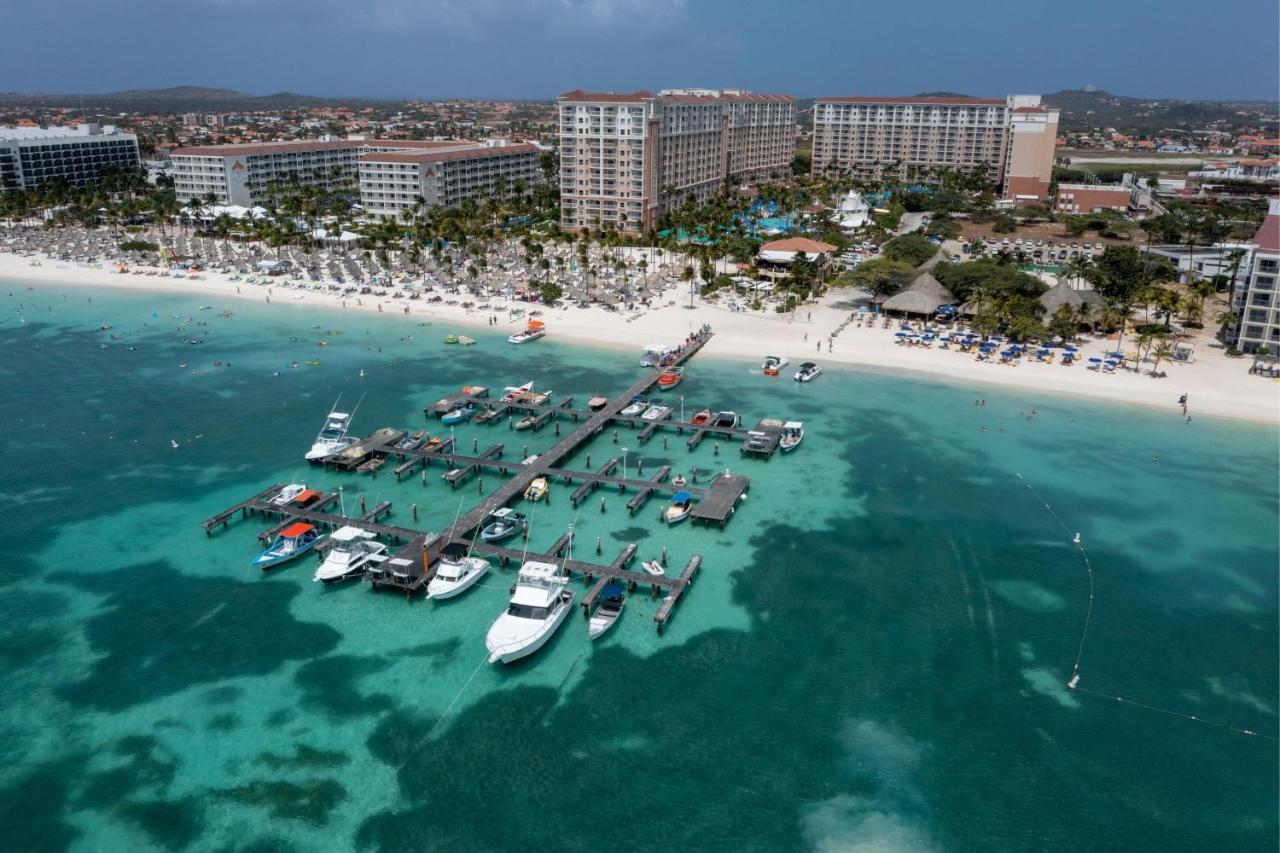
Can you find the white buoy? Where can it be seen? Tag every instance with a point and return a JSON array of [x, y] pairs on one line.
[[1076, 540]]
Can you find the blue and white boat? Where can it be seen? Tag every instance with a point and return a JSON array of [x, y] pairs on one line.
[[460, 414], [679, 508], [294, 541]]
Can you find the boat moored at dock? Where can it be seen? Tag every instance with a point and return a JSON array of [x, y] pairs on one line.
[[292, 542], [670, 378], [657, 412], [462, 413], [502, 524], [456, 572], [636, 407], [679, 508], [352, 551], [612, 598], [538, 606], [333, 437], [792, 435]]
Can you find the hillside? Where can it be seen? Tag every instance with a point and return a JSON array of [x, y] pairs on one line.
[[1083, 109], [176, 99]]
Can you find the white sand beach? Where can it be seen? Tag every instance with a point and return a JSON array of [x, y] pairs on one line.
[[1216, 385]]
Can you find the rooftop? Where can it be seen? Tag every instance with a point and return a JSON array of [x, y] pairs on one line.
[[925, 100], [455, 153]]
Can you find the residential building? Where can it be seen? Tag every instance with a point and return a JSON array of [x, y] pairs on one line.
[[242, 174], [1092, 198], [32, 156], [394, 181], [1259, 311], [1010, 141], [629, 159]]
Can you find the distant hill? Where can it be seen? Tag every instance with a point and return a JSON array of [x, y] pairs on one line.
[[1083, 109], [177, 99]]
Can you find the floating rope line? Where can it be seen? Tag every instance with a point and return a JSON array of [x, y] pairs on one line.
[[1074, 683]]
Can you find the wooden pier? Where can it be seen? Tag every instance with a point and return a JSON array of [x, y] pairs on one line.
[[721, 499]]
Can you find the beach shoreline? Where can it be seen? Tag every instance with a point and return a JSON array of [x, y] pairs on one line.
[[1215, 385]]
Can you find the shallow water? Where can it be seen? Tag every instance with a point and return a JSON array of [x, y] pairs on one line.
[[875, 652]]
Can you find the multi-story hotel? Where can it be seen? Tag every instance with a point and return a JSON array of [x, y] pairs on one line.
[[1010, 140], [628, 159], [243, 174], [32, 156], [1259, 311], [394, 181]]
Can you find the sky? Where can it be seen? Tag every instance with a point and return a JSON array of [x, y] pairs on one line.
[[540, 48]]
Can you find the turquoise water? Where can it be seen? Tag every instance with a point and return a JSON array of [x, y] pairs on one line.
[[874, 655]]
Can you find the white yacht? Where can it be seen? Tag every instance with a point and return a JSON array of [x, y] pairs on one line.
[[539, 605], [455, 573], [792, 435], [657, 412], [288, 494], [352, 551], [808, 372], [333, 438]]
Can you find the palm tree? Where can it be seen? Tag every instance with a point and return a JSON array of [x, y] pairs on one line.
[[1202, 290], [1236, 259], [1227, 320], [1160, 352]]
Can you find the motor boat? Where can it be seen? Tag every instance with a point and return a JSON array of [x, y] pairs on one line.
[[412, 441], [679, 508], [333, 438], [654, 568], [678, 480], [808, 372], [595, 404], [612, 597], [670, 378], [288, 494], [462, 413], [539, 604], [792, 435], [456, 572], [657, 412], [502, 524], [353, 550], [655, 355], [773, 364], [292, 542], [466, 341], [532, 332], [516, 393], [537, 490], [726, 420], [701, 418], [636, 408]]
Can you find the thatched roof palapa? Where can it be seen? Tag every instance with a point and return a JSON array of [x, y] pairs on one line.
[[924, 295]]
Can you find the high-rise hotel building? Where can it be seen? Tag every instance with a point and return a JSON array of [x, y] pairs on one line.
[[628, 159], [33, 156], [394, 181], [1011, 140]]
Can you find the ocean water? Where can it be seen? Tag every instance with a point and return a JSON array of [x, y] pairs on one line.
[[874, 656]]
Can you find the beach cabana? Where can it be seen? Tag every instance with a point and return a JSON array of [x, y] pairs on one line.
[[925, 295], [785, 251]]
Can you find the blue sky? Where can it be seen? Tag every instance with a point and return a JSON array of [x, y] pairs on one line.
[[539, 48]]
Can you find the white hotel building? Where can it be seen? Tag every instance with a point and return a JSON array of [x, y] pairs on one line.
[[394, 181], [628, 159], [32, 156]]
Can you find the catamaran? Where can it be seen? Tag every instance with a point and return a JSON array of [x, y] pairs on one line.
[[456, 572], [352, 552], [333, 438], [294, 541], [539, 605]]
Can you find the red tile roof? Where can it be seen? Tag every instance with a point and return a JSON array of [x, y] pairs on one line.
[[469, 152], [1268, 236], [610, 97], [798, 244], [942, 101]]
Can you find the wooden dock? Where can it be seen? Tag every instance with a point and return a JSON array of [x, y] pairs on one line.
[[721, 499]]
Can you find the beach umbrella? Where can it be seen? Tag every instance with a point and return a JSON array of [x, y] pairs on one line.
[[1095, 361], [900, 334]]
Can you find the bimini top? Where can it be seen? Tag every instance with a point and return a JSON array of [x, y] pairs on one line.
[[350, 534], [296, 529], [613, 590], [681, 497], [306, 496]]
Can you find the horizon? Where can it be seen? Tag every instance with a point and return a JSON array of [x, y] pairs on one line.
[[624, 45]]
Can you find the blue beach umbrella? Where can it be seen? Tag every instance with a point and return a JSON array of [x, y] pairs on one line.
[[1095, 361]]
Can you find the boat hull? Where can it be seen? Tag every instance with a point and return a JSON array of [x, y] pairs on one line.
[[600, 625], [450, 589], [515, 650], [265, 562]]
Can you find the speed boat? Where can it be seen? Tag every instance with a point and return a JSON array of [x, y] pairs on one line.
[[288, 494], [792, 435], [539, 604], [333, 438], [532, 332], [773, 364], [354, 549], [701, 418], [537, 490], [595, 404], [516, 393], [612, 597], [670, 378], [527, 422], [808, 372], [455, 573], [502, 524], [679, 508], [726, 420], [636, 408], [462, 413], [657, 412], [292, 542]]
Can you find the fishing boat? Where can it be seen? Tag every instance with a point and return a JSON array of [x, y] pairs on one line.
[[679, 508], [465, 341], [537, 490], [654, 568], [502, 524], [595, 404], [412, 441], [773, 364], [636, 407], [527, 422], [808, 372], [465, 412], [288, 494], [532, 332], [657, 412], [333, 438], [456, 572], [726, 420], [353, 550], [670, 378], [612, 597], [450, 339], [539, 604], [701, 418], [292, 542], [792, 435]]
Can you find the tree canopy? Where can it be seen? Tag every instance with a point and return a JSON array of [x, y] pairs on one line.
[[914, 249], [988, 276]]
